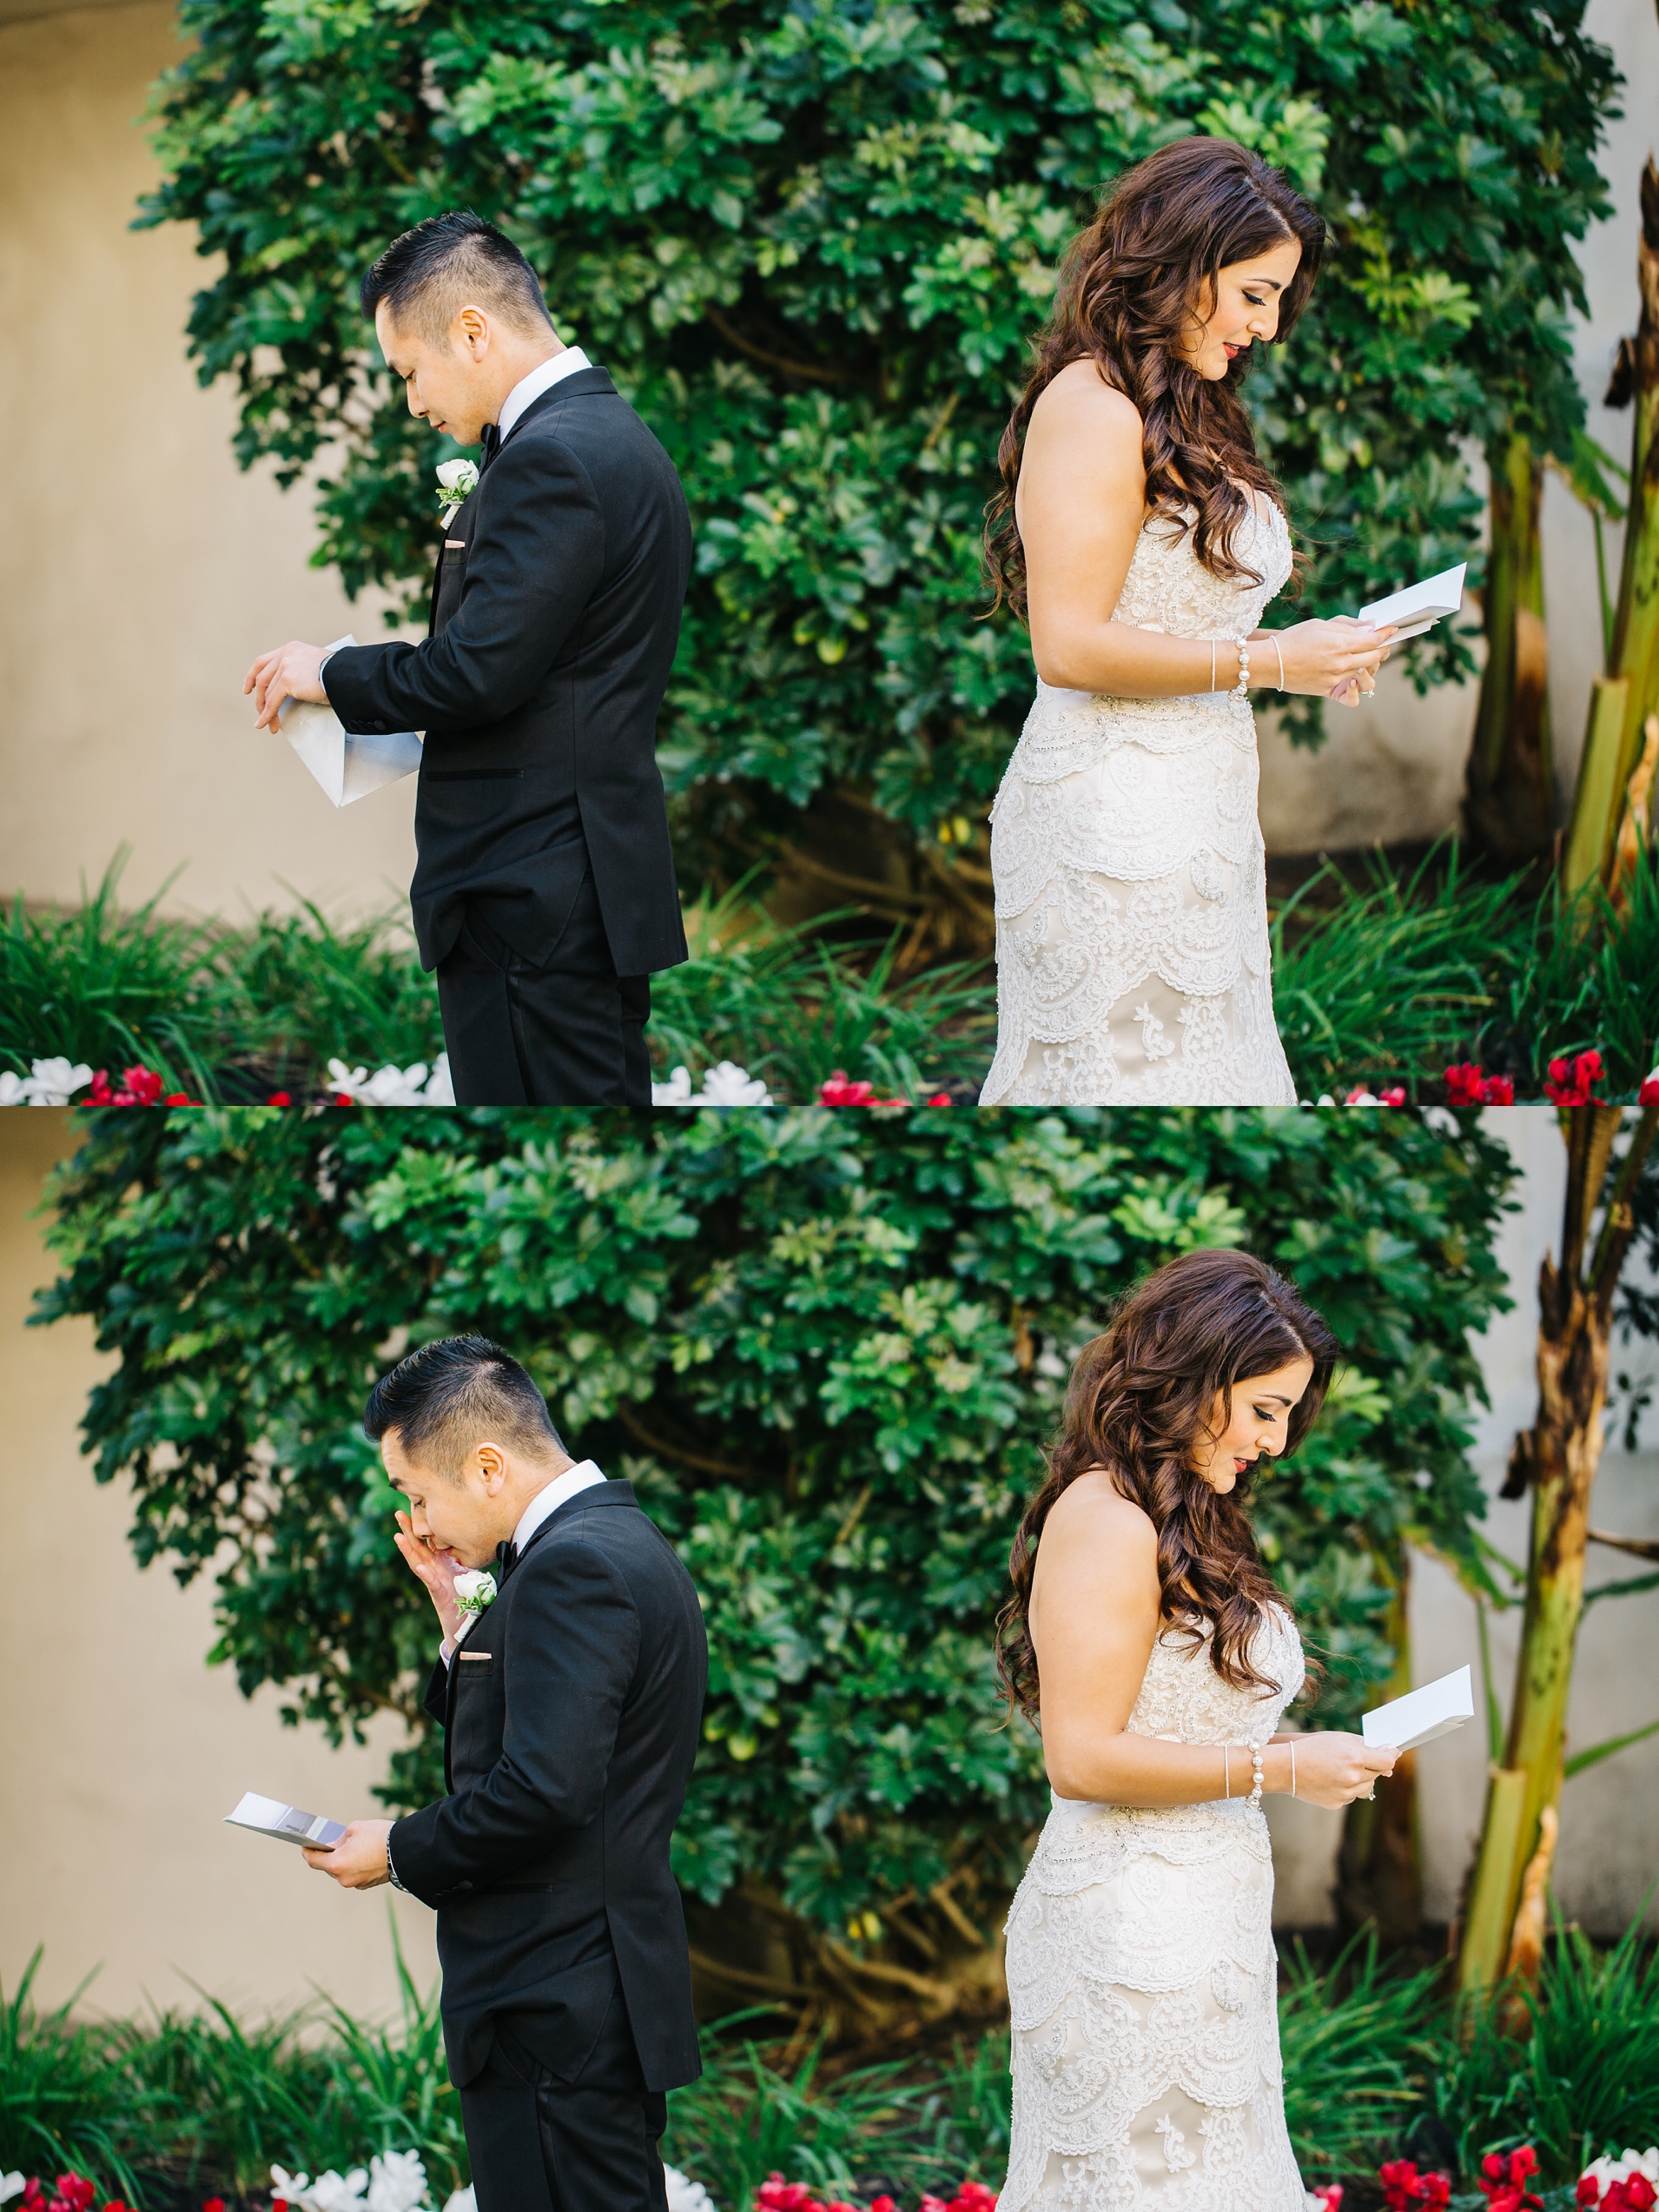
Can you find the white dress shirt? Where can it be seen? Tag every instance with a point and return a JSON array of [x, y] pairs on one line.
[[540, 379], [575, 1478]]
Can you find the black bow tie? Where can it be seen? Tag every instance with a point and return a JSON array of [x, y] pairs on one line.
[[506, 1558], [490, 445]]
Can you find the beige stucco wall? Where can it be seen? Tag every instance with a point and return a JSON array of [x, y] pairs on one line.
[[125, 1748], [120, 1750], [141, 570]]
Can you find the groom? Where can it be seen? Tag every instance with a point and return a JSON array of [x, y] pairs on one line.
[[544, 892], [572, 1706]]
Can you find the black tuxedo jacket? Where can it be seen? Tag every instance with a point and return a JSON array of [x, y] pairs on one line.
[[556, 613], [570, 1714]]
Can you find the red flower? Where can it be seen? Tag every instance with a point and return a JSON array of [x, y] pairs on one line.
[[1468, 1084], [1589, 2190], [214, 2204], [1649, 1093], [942, 1098], [1503, 2180], [139, 1087], [1394, 1095], [1569, 1083], [279, 1098], [838, 1091], [1330, 2194], [1406, 2190]]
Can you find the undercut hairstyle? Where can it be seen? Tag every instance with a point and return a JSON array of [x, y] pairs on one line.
[[1141, 1401], [456, 1393], [1129, 287], [448, 262]]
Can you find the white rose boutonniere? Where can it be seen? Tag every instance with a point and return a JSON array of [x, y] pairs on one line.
[[457, 480], [474, 1592]]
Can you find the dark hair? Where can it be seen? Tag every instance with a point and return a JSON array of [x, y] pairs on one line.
[[1141, 1398], [456, 1393], [429, 275], [1128, 288]]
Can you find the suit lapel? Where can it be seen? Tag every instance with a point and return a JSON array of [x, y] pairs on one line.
[[453, 524]]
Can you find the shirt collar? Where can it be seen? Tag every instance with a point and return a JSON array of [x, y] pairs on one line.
[[582, 1476], [540, 379]]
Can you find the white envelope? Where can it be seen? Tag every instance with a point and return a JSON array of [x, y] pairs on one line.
[[266, 1817], [347, 766], [1418, 1718], [1419, 606]]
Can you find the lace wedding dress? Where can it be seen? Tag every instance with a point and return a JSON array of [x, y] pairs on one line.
[[1142, 1977], [1132, 960]]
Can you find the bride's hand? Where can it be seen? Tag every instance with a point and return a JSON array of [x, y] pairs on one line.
[[1333, 1768], [1335, 659]]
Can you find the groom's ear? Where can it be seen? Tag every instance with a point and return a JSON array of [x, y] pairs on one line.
[[492, 1463]]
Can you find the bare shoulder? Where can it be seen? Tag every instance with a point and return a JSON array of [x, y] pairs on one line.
[[1092, 1514], [1079, 402]]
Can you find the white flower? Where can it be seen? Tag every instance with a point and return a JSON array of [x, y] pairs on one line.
[[725, 1085], [1442, 1123], [11, 2184], [49, 1082], [392, 1086], [457, 480], [475, 1589], [396, 2183], [330, 2192], [684, 2194], [1605, 2171], [462, 2200]]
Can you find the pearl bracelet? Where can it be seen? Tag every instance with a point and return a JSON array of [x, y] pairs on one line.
[[1241, 689], [1254, 1798]]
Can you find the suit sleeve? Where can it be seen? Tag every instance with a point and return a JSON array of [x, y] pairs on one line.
[[536, 559], [570, 1648]]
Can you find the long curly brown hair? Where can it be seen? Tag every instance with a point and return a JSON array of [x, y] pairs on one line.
[[1141, 1396], [1129, 286]]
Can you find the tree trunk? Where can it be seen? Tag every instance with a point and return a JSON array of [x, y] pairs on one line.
[[1556, 1460], [1380, 1866], [928, 1964], [1510, 804], [1613, 741]]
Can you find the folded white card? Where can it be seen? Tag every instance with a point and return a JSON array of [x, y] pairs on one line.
[[348, 765], [1434, 1710], [1419, 606], [286, 1822]]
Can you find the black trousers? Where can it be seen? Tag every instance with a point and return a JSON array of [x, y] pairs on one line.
[[569, 1034], [539, 2144]]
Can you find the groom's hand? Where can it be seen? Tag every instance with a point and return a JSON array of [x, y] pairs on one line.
[[436, 1569], [358, 1860], [291, 671]]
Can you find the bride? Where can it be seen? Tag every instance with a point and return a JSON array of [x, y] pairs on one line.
[[1139, 537], [1141, 1961]]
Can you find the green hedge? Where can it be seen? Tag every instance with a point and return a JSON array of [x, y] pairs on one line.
[[826, 1346], [812, 240]]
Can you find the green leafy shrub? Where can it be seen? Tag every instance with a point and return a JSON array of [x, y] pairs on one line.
[[827, 1348], [812, 240]]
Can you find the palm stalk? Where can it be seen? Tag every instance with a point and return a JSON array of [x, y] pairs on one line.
[[1555, 1460], [1510, 801], [1629, 693]]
